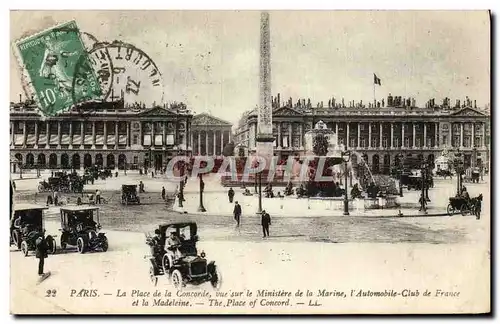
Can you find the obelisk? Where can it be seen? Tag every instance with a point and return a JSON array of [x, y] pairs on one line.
[[265, 138]]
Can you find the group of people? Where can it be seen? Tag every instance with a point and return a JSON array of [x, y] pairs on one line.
[[265, 217]]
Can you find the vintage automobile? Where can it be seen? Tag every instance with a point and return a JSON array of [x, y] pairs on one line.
[[181, 264], [26, 226], [79, 229], [129, 195], [462, 205]]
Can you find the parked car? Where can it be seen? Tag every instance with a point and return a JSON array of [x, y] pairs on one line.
[[129, 195], [27, 224], [79, 229], [184, 266]]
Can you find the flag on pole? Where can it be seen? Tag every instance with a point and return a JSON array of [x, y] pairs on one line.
[[376, 80]]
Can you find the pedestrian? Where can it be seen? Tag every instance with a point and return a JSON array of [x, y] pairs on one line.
[[152, 174], [265, 222], [237, 213], [163, 193], [230, 194], [98, 197], [41, 252]]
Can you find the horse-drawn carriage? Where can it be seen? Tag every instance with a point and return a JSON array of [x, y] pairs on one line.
[[62, 182], [465, 206], [472, 175]]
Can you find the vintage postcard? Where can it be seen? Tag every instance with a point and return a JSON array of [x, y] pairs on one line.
[[250, 162]]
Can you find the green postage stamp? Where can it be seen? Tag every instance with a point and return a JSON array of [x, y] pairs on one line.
[[50, 60]]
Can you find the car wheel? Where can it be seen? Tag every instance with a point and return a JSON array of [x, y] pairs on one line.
[[104, 244], [152, 275], [166, 263], [63, 241], [51, 242], [464, 210], [80, 245], [177, 279], [24, 248], [216, 280], [450, 210]]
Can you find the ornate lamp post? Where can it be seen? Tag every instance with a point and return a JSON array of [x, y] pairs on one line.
[[458, 168], [346, 156], [201, 208], [422, 197], [260, 192]]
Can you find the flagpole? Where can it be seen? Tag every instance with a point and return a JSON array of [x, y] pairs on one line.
[[374, 98]]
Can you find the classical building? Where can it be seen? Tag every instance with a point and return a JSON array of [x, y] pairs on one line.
[[209, 135], [381, 133], [106, 134], [241, 134]]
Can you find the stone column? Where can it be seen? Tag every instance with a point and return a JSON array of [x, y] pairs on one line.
[[117, 137], [36, 134], [221, 142], [164, 135], [25, 134], [58, 134], [402, 135], [71, 134], [279, 136], [93, 134], [82, 133], [199, 143], [473, 135], [290, 135], [369, 135], [436, 135], [337, 129], [215, 143], [483, 138], [461, 134], [105, 143], [47, 134], [450, 134], [359, 135], [301, 132], [347, 135], [425, 135], [128, 135], [414, 134], [381, 135], [153, 135], [392, 135], [206, 143]]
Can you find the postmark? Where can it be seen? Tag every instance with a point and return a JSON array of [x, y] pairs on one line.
[[49, 59], [135, 77]]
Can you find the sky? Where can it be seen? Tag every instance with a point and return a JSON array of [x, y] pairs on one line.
[[210, 59]]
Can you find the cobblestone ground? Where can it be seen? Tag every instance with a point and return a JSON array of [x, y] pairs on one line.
[[334, 229]]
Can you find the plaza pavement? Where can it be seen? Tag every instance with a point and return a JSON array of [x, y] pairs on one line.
[[216, 201]]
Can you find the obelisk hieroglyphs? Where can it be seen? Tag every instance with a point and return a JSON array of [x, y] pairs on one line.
[[264, 147]]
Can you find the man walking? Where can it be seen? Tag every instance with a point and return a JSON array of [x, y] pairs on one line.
[[265, 222], [41, 252], [97, 197], [230, 195], [237, 213], [163, 193]]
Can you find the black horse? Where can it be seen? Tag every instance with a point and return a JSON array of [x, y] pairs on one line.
[[476, 203]]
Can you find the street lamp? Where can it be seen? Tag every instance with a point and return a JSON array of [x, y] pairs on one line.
[[458, 162], [400, 169], [260, 192], [422, 195], [201, 208], [346, 156]]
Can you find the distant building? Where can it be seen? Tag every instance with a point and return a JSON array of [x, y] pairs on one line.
[[210, 134], [382, 132], [106, 134]]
